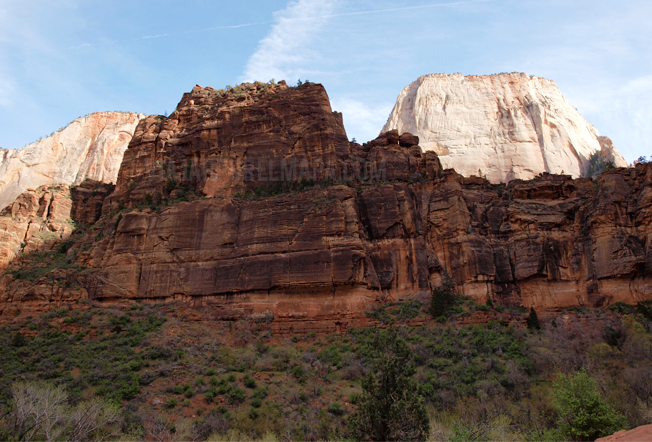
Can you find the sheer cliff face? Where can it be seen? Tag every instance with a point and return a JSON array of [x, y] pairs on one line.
[[326, 253], [504, 127], [90, 147]]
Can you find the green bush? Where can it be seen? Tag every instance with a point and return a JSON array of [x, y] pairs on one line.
[[583, 413], [354, 398], [336, 408], [236, 396], [171, 403], [249, 382]]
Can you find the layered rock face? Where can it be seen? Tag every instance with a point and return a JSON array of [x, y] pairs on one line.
[[34, 222], [375, 222], [90, 147], [502, 127], [215, 141]]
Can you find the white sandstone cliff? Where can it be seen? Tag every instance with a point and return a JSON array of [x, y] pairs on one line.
[[89, 147], [504, 127]]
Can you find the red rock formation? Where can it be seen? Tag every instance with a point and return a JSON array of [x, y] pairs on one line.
[[638, 434], [36, 221], [381, 222]]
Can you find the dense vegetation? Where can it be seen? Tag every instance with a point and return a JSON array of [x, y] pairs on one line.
[[236, 380]]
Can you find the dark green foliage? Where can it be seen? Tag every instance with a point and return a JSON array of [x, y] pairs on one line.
[[117, 222], [391, 407], [18, 340], [299, 374], [644, 308], [147, 200], [236, 396], [597, 165], [336, 408], [108, 362], [443, 299], [533, 320], [249, 382], [584, 415]]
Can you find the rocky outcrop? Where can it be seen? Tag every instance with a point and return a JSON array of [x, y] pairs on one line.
[[638, 434], [36, 221], [87, 201], [353, 225], [502, 127], [90, 147]]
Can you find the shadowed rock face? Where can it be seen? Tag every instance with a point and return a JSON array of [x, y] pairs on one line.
[[329, 252]]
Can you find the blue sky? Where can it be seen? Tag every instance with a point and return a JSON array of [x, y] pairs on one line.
[[63, 59]]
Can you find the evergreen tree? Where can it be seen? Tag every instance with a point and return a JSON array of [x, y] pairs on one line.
[[391, 408], [533, 320], [442, 299], [584, 414]]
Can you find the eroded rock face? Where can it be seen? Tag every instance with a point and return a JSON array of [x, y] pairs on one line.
[[502, 127], [36, 221], [328, 251], [90, 147], [217, 143]]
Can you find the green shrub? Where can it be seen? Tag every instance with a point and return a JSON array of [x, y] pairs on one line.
[[336, 408], [236, 396], [249, 382], [583, 413], [354, 398], [210, 372], [171, 403]]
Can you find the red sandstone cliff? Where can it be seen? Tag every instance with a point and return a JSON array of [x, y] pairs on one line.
[[378, 222]]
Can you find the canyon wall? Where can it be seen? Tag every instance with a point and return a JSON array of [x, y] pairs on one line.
[[502, 127], [252, 203], [90, 147]]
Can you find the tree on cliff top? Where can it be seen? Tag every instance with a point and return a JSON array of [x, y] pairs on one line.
[[391, 407]]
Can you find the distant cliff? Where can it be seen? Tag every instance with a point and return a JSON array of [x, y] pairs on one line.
[[502, 127], [90, 147]]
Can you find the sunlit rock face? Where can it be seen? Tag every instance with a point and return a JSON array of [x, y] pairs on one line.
[[502, 127], [90, 147]]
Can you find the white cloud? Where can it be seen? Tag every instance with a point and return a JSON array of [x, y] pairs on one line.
[[285, 53], [362, 122]]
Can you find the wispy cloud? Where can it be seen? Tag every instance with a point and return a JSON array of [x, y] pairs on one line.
[[80, 46], [284, 52]]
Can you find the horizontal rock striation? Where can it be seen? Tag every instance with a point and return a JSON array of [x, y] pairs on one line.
[[90, 147], [35, 222], [382, 222], [502, 127]]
